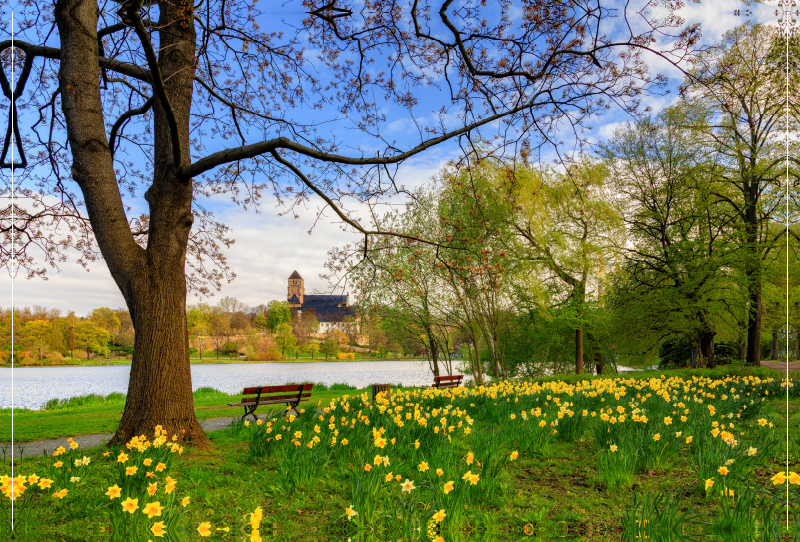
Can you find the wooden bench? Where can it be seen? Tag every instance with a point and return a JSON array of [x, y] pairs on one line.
[[290, 395], [447, 381]]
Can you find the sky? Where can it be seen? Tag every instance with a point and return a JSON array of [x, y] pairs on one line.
[[269, 248]]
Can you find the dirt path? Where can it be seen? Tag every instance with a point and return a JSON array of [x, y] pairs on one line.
[[781, 366]]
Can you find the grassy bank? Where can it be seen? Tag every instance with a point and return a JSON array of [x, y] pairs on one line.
[[92, 414], [567, 485], [97, 414]]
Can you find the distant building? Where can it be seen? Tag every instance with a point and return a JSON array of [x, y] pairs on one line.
[[330, 310]]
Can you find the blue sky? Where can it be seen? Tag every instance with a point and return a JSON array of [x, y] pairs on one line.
[[268, 248]]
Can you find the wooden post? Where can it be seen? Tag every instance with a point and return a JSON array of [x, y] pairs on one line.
[[381, 388]]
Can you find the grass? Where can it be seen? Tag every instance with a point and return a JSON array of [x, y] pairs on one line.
[[555, 495], [92, 414]]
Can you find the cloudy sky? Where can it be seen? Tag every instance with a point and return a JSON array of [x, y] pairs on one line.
[[268, 247]]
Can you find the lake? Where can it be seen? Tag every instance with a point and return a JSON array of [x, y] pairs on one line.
[[34, 386]]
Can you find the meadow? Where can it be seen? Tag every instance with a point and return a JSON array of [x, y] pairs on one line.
[[659, 458]]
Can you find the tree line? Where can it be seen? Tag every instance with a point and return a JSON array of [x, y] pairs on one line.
[[264, 332], [669, 243]]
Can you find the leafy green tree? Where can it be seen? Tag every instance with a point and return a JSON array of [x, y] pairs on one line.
[[106, 318], [678, 278], [312, 348], [91, 337], [330, 347], [565, 225], [279, 313], [260, 322], [741, 89], [284, 338]]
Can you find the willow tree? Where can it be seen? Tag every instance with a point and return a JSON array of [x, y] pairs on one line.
[[136, 112], [566, 226]]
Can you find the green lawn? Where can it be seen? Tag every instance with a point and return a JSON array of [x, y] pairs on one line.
[[557, 493]]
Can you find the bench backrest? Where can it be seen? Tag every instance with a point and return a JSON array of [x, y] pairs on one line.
[[289, 393], [447, 381]]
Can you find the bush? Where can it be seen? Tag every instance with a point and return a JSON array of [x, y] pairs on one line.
[[269, 355], [230, 348], [727, 353], [55, 358], [674, 353], [345, 355]]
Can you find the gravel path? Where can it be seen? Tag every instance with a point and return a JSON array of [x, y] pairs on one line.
[[781, 366], [28, 449], [36, 448]]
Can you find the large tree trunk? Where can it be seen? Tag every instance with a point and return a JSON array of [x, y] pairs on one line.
[[152, 280], [579, 350], [754, 328], [707, 349]]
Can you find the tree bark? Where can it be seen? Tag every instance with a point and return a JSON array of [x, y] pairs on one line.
[[579, 350], [754, 328], [434, 355], [707, 349], [152, 280]]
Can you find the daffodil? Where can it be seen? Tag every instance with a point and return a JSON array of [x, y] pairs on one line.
[[130, 505], [114, 492], [152, 509], [158, 529], [255, 519], [407, 486], [204, 529]]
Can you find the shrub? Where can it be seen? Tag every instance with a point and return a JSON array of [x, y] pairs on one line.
[[343, 355], [270, 355], [675, 352], [230, 348], [55, 358]]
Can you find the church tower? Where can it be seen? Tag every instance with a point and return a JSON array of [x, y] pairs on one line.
[[296, 290]]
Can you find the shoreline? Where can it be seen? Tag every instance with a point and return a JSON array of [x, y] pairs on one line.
[[196, 361]]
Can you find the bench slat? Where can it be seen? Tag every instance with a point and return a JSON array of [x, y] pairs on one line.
[[267, 402], [277, 389], [278, 398], [452, 381]]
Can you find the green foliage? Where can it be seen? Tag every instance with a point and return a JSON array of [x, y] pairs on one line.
[[330, 347], [260, 322], [230, 348], [279, 313]]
